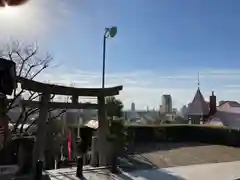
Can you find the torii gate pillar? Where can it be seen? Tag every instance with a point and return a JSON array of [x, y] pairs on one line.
[[102, 131]]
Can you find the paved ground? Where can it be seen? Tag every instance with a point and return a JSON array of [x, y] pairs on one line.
[[89, 173], [169, 161], [215, 171], [163, 155]]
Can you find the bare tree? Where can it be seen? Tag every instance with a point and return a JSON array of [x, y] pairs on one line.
[[29, 64]]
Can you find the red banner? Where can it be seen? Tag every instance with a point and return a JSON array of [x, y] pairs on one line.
[[69, 146]]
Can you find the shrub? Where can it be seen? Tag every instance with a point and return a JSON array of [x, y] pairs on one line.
[[185, 133], [118, 134]]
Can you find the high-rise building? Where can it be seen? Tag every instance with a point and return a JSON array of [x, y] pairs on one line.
[[133, 107], [166, 103], [132, 114], [184, 111]]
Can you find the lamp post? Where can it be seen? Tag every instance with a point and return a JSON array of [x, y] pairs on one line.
[[109, 32]]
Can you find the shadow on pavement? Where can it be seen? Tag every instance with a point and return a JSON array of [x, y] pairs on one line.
[[139, 166], [132, 163], [161, 146], [151, 174]]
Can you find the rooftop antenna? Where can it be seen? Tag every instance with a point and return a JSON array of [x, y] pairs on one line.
[[198, 83]]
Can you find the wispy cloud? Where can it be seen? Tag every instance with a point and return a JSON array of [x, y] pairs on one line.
[[38, 19], [146, 88]]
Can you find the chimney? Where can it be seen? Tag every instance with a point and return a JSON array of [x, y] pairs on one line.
[[213, 106]]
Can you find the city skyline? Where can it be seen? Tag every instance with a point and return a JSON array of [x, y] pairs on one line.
[[159, 49], [141, 87]]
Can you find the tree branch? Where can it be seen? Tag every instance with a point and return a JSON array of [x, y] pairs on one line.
[[32, 97], [28, 65], [27, 114], [39, 71], [22, 63], [57, 116], [50, 119], [14, 99], [19, 120], [26, 130]]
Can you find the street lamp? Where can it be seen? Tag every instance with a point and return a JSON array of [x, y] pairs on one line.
[[4, 3], [109, 32]]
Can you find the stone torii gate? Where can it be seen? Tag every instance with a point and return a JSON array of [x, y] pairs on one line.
[[44, 104]]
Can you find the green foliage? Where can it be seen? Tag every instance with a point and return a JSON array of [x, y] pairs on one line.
[[114, 107], [118, 133], [167, 122], [185, 133], [54, 135], [56, 126], [160, 134], [181, 120], [117, 128]]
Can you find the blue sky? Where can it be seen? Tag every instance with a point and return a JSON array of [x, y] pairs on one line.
[[160, 46]]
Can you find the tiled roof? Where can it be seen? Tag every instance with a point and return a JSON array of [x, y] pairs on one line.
[[231, 103], [198, 105], [228, 114], [229, 119], [229, 106]]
